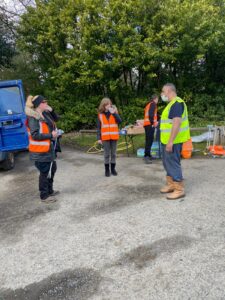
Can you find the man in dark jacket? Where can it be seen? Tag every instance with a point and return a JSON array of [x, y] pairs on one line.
[[150, 123]]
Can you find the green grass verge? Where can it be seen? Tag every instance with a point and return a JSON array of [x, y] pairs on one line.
[[84, 141], [81, 140]]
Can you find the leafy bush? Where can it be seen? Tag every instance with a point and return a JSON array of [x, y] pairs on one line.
[[203, 109], [81, 115], [134, 111]]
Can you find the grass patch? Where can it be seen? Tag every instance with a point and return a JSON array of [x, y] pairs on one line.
[[79, 141], [84, 141], [199, 149]]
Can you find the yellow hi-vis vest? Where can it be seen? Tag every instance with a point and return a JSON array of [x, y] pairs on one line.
[[166, 124]]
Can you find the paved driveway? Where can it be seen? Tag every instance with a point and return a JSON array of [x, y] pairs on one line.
[[112, 238]]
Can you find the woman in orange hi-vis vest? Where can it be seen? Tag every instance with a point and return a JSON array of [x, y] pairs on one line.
[[150, 123], [43, 143], [108, 133]]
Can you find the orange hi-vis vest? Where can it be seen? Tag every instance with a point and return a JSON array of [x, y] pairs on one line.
[[146, 116], [109, 128], [39, 146]]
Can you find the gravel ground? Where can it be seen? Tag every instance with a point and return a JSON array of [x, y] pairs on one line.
[[112, 238]]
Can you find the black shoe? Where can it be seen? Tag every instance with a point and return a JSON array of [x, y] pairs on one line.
[[46, 199], [113, 170], [54, 193], [148, 160], [114, 173], [49, 200], [107, 171]]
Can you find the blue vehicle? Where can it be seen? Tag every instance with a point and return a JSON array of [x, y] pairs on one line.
[[13, 132]]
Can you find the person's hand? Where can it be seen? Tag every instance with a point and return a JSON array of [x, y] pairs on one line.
[[100, 142], [48, 108], [116, 110], [54, 134], [169, 147], [155, 124], [112, 110]]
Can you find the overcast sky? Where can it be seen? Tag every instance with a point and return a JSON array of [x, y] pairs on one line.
[[16, 6]]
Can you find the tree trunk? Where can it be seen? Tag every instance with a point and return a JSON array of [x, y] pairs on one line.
[[131, 81], [125, 76]]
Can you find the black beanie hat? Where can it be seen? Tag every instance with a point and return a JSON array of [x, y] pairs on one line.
[[37, 101]]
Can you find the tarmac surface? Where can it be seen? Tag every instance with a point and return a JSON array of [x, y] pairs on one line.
[[112, 238]]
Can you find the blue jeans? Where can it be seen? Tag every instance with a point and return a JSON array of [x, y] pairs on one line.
[[171, 162]]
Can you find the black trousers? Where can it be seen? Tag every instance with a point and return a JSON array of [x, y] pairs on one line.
[[45, 183], [149, 138]]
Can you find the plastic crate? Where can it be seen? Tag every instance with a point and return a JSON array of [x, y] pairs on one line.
[[140, 152], [155, 151]]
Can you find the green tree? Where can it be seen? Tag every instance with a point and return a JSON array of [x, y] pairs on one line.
[[84, 49], [7, 46], [22, 67]]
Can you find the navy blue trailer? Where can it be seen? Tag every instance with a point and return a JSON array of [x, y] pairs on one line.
[[13, 132]]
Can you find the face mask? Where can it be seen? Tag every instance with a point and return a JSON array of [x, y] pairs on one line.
[[164, 98]]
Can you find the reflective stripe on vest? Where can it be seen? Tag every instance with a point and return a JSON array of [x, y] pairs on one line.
[[166, 124], [109, 128], [170, 120], [146, 115], [39, 146]]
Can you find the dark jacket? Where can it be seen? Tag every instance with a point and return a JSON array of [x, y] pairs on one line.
[[33, 123], [152, 111]]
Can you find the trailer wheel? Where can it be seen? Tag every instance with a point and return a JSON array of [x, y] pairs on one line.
[[9, 162]]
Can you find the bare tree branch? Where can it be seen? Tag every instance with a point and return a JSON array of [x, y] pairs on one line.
[[10, 12], [15, 8], [26, 3], [9, 25]]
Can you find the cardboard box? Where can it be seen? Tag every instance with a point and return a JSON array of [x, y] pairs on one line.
[[135, 130]]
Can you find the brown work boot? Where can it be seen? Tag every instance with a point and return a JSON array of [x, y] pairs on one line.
[[168, 188], [178, 191]]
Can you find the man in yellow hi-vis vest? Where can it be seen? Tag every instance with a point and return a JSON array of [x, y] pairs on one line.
[[174, 131]]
